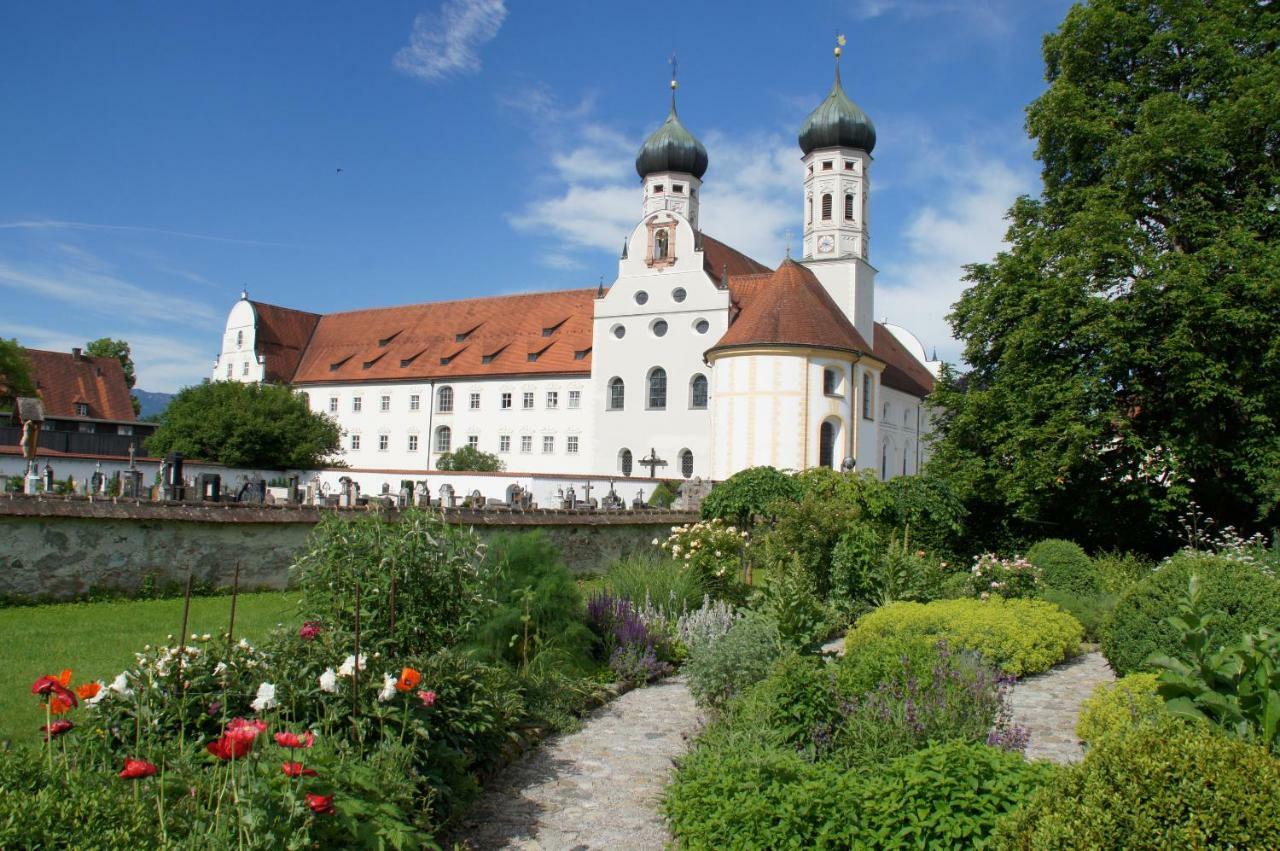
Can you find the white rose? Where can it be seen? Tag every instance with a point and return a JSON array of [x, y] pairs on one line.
[[348, 666], [329, 681], [388, 688], [266, 698]]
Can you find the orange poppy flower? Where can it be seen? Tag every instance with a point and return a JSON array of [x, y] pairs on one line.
[[409, 679], [88, 691]]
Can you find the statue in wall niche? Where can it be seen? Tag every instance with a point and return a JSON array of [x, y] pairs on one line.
[[30, 441]]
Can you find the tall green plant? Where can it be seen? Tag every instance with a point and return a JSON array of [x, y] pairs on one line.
[[420, 581], [1236, 687]]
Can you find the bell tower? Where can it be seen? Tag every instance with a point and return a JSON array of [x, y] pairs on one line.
[[671, 163]]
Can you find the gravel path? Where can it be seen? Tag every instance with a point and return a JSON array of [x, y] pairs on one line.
[[596, 788], [1048, 705]]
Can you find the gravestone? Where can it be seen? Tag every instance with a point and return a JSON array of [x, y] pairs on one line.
[[639, 502], [96, 480], [692, 493], [131, 484], [424, 494], [209, 487], [48, 478], [295, 495], [172, 483], [447, 498]]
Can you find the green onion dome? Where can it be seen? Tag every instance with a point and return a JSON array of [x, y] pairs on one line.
[[837, 123], [672, 148]]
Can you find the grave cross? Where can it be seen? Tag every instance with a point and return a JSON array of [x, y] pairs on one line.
[[586, 489], [653, 462]]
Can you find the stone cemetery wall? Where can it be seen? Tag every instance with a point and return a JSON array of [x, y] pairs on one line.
[[60, 547]]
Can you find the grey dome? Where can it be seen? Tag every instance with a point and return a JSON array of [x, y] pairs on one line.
[[672, 148], [837, 123]]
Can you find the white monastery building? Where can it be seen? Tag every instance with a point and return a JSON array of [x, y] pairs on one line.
[[696, 351]]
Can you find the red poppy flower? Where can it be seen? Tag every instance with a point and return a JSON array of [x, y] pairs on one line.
[[229, 747], [409, 679], [58, 706], [51, 687], [135, 769], [245, 730], [57, 728], [320, 804], [88, 691], [295, 769], [293, 740], [428, 698], [310, 630]]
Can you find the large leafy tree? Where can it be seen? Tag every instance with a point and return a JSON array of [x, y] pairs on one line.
[[1125, 349], [105, 347], [245, 425], [15, 373]]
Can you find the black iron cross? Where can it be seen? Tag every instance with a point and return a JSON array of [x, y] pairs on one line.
[[653, 462]]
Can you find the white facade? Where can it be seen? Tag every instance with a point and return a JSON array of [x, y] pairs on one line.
[[655, 385]]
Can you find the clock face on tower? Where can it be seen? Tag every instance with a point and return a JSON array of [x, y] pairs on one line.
[[826, 243]]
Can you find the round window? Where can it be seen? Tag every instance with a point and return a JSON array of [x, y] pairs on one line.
[[642, 297], [619, 331], [678, 294], [660, 328], [702, 326]]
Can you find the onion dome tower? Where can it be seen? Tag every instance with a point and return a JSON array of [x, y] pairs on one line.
[[671, 163]]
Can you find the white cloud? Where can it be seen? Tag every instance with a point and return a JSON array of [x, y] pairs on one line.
[[87, 286], [993, 16], [55, 224], [445, 45], [963, 223]]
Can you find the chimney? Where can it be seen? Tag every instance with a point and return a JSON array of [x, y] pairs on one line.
[[75, 353]]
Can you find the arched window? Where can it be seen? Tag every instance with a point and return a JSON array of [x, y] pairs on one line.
[[660, 245], [444, 438], [239, 339], [809, 209], [827, 445], [826, 207], [830, 382], [884, 461], [624, 462], [698, 392], [444, 400], [686, 463], [617, 394], [657, 389], [848, 206]]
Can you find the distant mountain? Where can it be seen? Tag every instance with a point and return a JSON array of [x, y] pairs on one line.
[[153, 404]]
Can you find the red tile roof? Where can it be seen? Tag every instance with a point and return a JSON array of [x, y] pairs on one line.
[[281, 338], [527, 334], [787, 308], [902, 370], [63, 380], [718, 257]]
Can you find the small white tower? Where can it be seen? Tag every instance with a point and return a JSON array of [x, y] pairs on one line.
[[671, 163], [837, 139]]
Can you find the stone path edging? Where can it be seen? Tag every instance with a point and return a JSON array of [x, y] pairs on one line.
[[598, 787]]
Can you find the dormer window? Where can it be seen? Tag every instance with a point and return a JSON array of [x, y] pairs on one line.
[[82, 409], [677, 188], [462, 336], [660, 245]]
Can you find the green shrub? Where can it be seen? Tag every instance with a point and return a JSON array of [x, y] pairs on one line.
[[885, 657], [669, 584], [930, 507], [1118, 572], [537, 607], [1117, 706], [748, 494], [855, 562], [721, 669], [1064, 566], [747, 797], [664, 494], [791, 601], [1168, 784], [950, 795], [63, 810], [1092, 610], [431, 568], [785, 708], [1020, 636], [1247, 599]]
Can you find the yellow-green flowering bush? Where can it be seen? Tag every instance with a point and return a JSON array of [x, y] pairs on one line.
[[1020, 636], [1120, 705]]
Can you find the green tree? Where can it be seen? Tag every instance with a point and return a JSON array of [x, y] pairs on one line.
[[469, 459], [15, 373], [1125, 349], [245, 425], [105, 347]]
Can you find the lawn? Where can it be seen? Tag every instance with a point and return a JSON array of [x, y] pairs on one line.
[[98, 640]]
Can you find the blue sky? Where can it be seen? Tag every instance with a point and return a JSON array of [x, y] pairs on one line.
[[158, 157]]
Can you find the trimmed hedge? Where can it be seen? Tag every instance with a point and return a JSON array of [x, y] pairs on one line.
[[1118, 706], [1019, 636], [1167, 784], [1064, 566], [1247, 598]]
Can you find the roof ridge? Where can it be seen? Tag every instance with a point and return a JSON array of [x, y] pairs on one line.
[[576, 290]]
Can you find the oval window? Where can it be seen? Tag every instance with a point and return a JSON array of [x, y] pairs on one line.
[[702, 326], [660, 328], [619, 331], [678, 294], [642, 297]]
